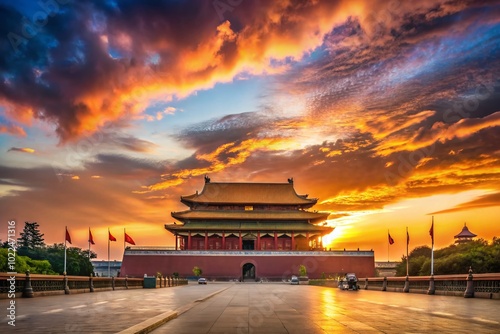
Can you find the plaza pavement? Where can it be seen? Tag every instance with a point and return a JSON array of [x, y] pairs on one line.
[[280, 308], [252, 308]]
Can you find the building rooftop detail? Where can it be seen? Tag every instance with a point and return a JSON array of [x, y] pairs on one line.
[[464, 235], [248, 194]]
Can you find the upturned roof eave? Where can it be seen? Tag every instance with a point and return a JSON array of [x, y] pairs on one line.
[[314, 216], [301, 200]]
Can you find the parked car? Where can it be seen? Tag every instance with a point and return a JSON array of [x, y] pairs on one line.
[[202, 280], [349, 282], [294, 280]]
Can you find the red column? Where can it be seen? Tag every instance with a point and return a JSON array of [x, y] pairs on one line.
[[293, 242], [258, 241], [189, 240], [206, 240], [275, 240], [307, 240], [223, 240], [176, 241], [240, 242]]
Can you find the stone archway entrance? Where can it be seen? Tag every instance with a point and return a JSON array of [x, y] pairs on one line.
[[248, 272]]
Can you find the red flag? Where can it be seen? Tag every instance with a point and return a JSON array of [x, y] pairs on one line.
[[68, 238], [129, 239], [431, 231], [111, 238], [407, 238], [391, 240], [91, 239]]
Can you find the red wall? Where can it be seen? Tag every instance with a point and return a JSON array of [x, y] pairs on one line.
[[230, 267]]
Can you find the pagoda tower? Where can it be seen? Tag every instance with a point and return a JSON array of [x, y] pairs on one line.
[[464, 236], [249, 216]]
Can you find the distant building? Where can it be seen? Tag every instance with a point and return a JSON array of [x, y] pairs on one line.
[[386, 268], [101, 268], [464, 236], [239, 231]]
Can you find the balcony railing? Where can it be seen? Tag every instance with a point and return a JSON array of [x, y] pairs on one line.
[[479, 285], [30, 285]]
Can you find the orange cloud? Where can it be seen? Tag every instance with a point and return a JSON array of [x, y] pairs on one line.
[[490, 200], [24, 150], [13, 130]]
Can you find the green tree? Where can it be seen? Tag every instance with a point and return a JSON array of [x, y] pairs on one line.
[[31, 237], [302, 270], [77, 260], [482, 256], [31, 240], [24, 263], [197, 271]]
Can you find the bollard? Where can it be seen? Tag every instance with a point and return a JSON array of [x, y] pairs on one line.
[[126, 281], [366, 284], [407, 285], [161, 281], [384, 285], [469, 291], [432, 287], [165, 281], [66, 287], [113, 282], [91, 283], [28, 290], [168, 281]]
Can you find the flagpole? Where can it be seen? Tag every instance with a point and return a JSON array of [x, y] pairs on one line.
[[388, 244], [432, 248], [89, 243], [65, 233], [124, 233], [109, 265], [407, 243]]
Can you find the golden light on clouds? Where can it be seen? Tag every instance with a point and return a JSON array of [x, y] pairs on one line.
[[359, 102]]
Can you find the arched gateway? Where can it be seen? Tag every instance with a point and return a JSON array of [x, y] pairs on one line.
[[248, 271]]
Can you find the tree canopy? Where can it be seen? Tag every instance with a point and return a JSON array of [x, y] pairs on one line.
[[34, 255], [31, 238], [482, 256]]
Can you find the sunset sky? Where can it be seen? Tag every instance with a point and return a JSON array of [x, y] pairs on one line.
[[387, 111]]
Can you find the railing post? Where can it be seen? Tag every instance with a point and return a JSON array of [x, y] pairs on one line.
[[91, 283], [28, 290], [366, 284], [126, 281], [469, 291], [113, 282], [384, 284], [407, 285], [66, 287], [432, 287]]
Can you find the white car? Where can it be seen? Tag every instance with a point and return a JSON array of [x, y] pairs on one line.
[[202, 281], [294, 280]]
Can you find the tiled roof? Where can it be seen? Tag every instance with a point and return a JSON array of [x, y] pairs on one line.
[[249, 215], [249, 194], [465, 233]]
